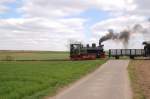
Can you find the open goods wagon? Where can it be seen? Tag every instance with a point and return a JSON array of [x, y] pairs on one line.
[[126, 52], [131, 52]]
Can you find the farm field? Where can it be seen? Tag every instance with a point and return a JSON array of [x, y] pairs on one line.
[[140, 78], [33, 55], [37, 79]]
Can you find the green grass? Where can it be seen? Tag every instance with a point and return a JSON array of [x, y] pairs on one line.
[[32, 55], [36, 79], [137, 91]]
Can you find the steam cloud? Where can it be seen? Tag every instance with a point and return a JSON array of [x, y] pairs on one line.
[[124, 35]]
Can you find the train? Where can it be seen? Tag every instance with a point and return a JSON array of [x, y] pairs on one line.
[[80, 52]]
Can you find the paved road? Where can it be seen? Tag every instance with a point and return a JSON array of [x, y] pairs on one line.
[[108, 82]]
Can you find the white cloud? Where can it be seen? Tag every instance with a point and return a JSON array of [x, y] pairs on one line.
[[52, 8], [39, 33], [48, 24], [118, 23], [113, 5], [43, 24], [6, 1], [3, 7]]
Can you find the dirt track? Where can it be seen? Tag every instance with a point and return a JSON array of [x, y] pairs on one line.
[[110, 81], [142, 70]]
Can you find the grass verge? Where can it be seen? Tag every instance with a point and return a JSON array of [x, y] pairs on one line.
[[37, 79], [137, 90]]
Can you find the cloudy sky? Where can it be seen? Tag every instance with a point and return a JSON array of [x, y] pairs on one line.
[[52, 24]]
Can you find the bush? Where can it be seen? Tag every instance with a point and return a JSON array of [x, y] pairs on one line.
[[9, 58]]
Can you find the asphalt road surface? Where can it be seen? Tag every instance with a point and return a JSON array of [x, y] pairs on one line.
[[110, 81]]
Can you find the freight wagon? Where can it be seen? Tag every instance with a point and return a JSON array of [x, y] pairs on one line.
[[132, 53]]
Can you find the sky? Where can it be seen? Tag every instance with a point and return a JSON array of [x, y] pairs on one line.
[[52, 25]]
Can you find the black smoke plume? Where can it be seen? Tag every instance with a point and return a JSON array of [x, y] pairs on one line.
[[124, 35]]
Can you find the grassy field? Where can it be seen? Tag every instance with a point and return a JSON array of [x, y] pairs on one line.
[[32, 55], [36, 79]]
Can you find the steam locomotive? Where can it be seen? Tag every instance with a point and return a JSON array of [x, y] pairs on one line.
[[80, 52]]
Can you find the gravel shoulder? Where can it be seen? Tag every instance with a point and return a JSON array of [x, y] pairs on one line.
[[110, 81]]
